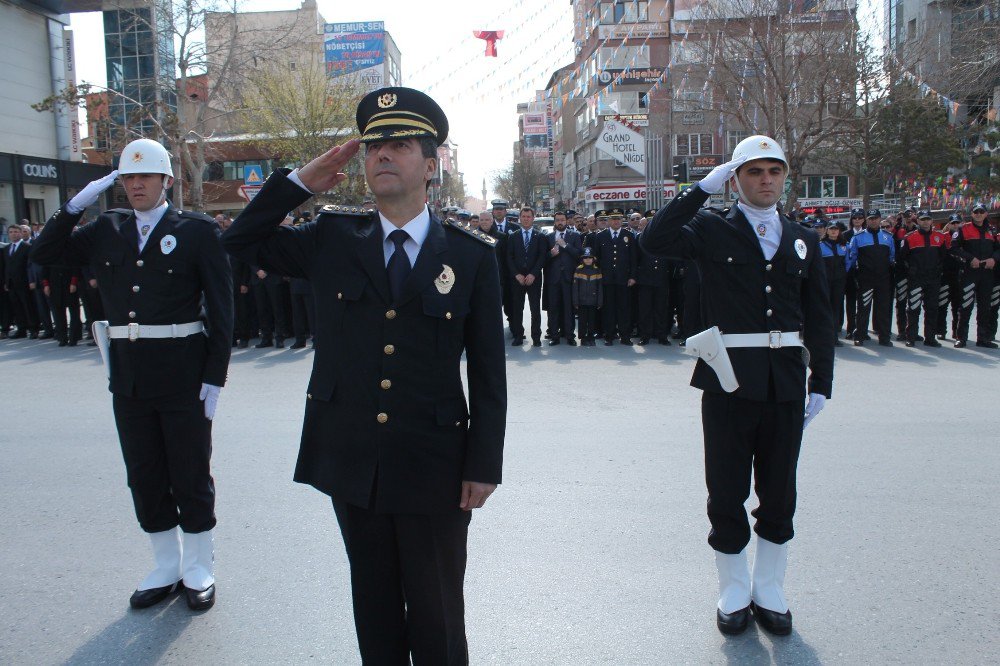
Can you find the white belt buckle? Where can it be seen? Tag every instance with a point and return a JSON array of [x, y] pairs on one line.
[[774, 339], [133, 332]]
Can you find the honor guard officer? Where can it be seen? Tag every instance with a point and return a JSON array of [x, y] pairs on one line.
[[976, 248], [872, 252], [168, 296], [387, 432], [615, 250], [764, 294], [923, 252]]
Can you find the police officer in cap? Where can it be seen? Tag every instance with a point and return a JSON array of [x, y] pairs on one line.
[[616, 252], [166, 354], [400, 296], [872, 253], [923, 252], [764, 296]]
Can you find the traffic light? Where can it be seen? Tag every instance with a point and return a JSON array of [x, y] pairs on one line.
[[680, 172]]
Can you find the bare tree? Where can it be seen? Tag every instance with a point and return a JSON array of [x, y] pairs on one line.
[[517, 183]]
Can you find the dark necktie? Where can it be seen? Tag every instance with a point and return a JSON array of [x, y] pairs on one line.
[[399, 264], [527, 239]]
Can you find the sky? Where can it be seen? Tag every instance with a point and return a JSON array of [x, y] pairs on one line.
[[441, 57]]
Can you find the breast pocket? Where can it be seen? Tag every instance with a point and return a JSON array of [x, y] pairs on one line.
[[449, 313], [108, 266], [347, 292], [732, 258]]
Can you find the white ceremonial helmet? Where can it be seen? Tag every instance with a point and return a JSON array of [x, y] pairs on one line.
[[145, 156], [759, 147]]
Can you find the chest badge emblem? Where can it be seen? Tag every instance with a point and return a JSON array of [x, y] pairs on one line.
[[446, 280], [168, 244], [800, 248], [761, 229]]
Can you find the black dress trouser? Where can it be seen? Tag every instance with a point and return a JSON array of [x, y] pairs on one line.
[[534, 296], [167, 446], [407, 584], [62, 302], [616, 313], [654, 312], [742, 436], [561, 309]]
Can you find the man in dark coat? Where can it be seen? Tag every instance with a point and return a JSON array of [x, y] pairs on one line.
[[564, 249], [168, 293], [616, 252], [764, 293], [387, 434], [16, 283], [527, 250]]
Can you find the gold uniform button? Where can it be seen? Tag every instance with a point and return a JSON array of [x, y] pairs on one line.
[[135, 289], [386, 384], [131, 315], [768, 267], [389, 350], [729, 260], [391, 314], [139, 263], [382, 417], [769, 313]]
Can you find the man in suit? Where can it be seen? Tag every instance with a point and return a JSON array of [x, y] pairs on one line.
[[387, 433], [168, 293], [16, 284], [564, 249], [653, 275], [615, 248], [764, 290], [501, 228], [40, 300], [526, 254]]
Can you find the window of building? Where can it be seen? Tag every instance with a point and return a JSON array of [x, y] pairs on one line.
[[635, 57], [692, 100], [693, 144], [624, 11], [911, 29], [733, 137], [234, 170], [823, 187]]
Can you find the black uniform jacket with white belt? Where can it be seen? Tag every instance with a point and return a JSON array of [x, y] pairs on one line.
[[742, 292], [385, 398], [163, 284]]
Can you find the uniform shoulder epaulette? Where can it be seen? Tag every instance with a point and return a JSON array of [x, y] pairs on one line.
[[469, 230], [353, 211], [192, 215]]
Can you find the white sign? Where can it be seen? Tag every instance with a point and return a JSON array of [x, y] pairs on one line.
[[248, 192], [69, 62], [633, 31], [628, 147], [601, 194]]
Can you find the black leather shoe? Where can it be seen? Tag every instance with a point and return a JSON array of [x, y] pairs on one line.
[[779, 624], [46, 335], [571, 342], [960, 344], [931, 342], [63, 343], [838, 343], [202, 600], [33, 335], [986, 344], [72, 343], [537, 342], [279, 343], [243, 344], [732, 624], [608, 342], [885, 342], [151, 597], [643, 342], [665, 342], [298, 344], [264, 343], [517, 342], [553, 342], [627, 342], [920, 338], [859, 343], [911, 343]]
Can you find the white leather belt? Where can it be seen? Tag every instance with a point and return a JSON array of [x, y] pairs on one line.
[[133, 332], [773, 339]]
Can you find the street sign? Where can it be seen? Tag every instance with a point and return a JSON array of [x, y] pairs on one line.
[[623, 144], [248, 192], [253, 174]]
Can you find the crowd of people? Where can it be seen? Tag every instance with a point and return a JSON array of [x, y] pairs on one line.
[[592, 278]]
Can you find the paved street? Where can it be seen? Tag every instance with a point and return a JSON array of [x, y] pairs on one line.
[[592, 552]]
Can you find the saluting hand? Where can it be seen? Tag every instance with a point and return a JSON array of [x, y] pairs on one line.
[[475, 494], [327, 171], [715, 181]]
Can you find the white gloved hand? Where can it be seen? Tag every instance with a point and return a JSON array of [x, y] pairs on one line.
[[813, 407], [210, 394], [715, 181], [88, 195]]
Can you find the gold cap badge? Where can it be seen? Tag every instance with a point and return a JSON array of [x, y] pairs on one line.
[[137, 156], [387, 101], [765, 144]]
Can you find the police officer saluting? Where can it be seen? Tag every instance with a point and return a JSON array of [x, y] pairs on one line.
[[166, 356], [764, 294], [387, 432]]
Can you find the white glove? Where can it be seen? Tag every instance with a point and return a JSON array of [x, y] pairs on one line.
[[715, 181], [210, 394], [813, 407], [88, 195]]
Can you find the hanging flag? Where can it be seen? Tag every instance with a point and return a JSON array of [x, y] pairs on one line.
[[491, 37]]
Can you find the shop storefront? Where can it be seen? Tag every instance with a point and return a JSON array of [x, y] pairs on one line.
[[33, 188]]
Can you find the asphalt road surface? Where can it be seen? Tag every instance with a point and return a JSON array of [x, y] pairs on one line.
[[593, 550]]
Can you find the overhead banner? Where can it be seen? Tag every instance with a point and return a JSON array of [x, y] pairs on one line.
[[356, 48], [625, 145]]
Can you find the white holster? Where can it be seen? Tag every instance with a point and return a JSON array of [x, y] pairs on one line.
[[709, 347], [100, 332]]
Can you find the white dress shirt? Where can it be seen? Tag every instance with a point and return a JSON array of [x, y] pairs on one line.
[[417, 228], [764, 220], [148, 218]]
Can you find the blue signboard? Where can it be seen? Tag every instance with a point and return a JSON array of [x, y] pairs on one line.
[[253, 174], [352, 47]]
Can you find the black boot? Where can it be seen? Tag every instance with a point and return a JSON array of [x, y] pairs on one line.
[[147, 598], [732, 624], [779, 624]]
